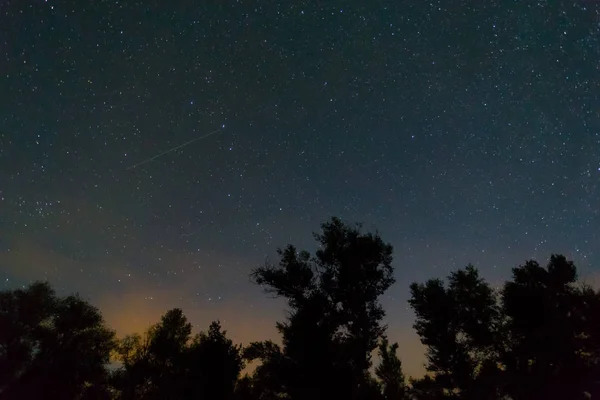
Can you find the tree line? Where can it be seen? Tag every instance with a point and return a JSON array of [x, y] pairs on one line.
[[538, 337]]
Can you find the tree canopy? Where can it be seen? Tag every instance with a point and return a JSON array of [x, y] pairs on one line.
[[51, 347], [535, 337], [168, 363], [335, 318]]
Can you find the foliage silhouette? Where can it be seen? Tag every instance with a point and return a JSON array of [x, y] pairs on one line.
[[334, 320], [537, 337], [215, 363], [458, 324], [546, 332], [51, 347], [389, 372], [168, 363], [154, 366], [426, 388]]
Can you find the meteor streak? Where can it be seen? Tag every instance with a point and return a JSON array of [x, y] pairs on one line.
[[175, 148]]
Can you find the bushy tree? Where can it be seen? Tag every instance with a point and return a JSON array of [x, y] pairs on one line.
[[389, 372], [590, 339], [214, 364], [334, 320], [459, 324], [426, 388], [545, 313], [539, 340], [168, 363], [51, 347], [153, 366]]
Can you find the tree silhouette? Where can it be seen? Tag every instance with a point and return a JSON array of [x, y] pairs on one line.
[[426, 388], [153, 366], [389, 372], [247, 389], [334, 320], [460, 327], [214, 364], [538, 341], [51, 347], [169, 364], [546, 321], [272, 377], [131, 380], [590, 351], [538, 338]]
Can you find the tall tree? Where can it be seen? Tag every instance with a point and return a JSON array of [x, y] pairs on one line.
[[153, 366], [22, 313], [547, 328], [590, 351], [334, 320], [389, 372], [540, 342], [132, 379], [51, 347], [460, 326], [168, 363], [213, 365]]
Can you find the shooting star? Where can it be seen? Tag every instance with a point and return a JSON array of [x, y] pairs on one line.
[[176, 148]]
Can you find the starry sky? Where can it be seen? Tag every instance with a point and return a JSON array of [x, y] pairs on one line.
[[152, 153]]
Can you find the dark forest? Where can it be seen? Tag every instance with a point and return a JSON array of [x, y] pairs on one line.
[[538, 337]]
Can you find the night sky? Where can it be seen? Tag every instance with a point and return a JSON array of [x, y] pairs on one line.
[[464, 131]]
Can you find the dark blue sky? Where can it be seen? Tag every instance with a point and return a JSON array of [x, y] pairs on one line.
[[463, 131]]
